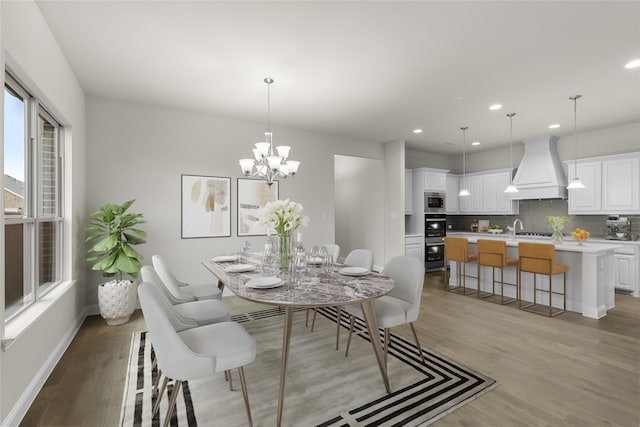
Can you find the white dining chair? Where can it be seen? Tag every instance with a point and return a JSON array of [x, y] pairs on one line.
[[401, 305], [190, 314], [183, 292], [197, 352]]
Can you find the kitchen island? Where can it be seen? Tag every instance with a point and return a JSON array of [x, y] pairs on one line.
[[590, 279]]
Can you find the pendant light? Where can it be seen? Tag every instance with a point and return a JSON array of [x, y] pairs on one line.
[[575, 183], [464, 191], [511, 188]]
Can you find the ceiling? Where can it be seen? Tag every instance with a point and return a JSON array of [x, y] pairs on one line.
[[366, 70]]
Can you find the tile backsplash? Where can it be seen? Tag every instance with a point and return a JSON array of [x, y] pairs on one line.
[[533, 214]]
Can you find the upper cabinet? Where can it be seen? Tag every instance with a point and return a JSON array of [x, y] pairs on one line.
[[435, 180], [451, 201], [487, 193], [612, 185]]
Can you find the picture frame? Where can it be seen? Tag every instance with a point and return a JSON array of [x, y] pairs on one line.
[[206, 206], [253, 195]]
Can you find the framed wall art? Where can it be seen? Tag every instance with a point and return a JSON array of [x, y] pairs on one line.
[[253, 195], [206, 206]]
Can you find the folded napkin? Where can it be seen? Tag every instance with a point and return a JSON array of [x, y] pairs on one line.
[[224, 258], [239, 268]]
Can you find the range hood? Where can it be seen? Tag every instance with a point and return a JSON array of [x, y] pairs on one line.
[[540, 174]]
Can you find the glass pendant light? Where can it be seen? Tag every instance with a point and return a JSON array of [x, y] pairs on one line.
[[575, 183], [464, 191], [511, 188]]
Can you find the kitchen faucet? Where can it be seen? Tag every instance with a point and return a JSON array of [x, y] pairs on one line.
[[514, 227]]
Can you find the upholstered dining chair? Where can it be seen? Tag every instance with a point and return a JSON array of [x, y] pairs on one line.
[[196, 352], [180, 291], [401, 305], [356, 258]]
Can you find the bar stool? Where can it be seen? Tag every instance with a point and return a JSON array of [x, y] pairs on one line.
[[457, 249], [540, 258], [493, 253]]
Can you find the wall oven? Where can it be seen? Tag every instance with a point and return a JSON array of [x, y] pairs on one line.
[[435, 229], [434, 202]]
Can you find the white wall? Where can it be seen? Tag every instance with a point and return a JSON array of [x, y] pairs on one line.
[[360, 201], [29, 48], [139, 152], [394, 173], [415, 159]]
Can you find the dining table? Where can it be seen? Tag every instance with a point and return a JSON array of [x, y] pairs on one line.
[[318, 287]]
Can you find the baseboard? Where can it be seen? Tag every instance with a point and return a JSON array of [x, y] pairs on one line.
[[21, 407]]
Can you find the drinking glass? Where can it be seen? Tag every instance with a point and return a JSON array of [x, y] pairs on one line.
[[244, 250], [327, 263]]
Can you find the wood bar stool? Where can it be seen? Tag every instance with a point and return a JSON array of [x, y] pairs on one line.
[[457, 249], [493, 253], [540, 258]]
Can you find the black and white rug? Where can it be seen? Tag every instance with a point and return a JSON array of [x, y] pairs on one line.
[[323, 387]]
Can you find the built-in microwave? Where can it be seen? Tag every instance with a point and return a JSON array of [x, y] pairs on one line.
[[434, 202]]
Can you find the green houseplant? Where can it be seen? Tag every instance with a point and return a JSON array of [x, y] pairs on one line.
[[113, 233]]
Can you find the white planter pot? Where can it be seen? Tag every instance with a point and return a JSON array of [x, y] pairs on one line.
[[117, 300]]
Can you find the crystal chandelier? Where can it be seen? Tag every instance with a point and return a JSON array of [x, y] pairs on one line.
[[575, 183], [265, 163], [511, 188], [464, 192]]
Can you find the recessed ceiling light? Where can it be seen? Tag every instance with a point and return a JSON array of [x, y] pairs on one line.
[[475, 143], [417, 131], [554, 126], [495, 107], [633, 64]]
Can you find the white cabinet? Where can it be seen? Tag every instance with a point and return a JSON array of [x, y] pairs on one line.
[[612, 185], [586, 200], [627, 260], [487, 193], [408, 189], [453, 189], [435, 180], [414, 247]]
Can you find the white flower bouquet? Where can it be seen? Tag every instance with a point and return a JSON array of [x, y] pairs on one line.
[[557, 223], [284, 216]]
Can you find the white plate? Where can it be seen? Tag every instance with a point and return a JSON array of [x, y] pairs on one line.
[[224, 258], [495, 230], [354, 271], [264, 282], [239, 268]]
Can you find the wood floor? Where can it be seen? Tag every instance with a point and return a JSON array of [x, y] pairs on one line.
[[564, 371]]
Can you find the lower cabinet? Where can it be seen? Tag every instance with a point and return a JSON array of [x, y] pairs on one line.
[[414, 247], [627, 270]]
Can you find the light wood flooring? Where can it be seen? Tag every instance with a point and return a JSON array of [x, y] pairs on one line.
[[562, 371]]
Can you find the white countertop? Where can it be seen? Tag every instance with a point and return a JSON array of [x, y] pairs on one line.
[[569, 245]]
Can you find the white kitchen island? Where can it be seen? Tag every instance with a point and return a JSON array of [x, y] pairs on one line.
[[590, 279]]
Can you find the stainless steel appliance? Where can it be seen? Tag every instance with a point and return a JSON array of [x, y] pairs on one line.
[[618, 228], [434, 202], [435, 229]]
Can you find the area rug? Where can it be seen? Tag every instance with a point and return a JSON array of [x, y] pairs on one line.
[[323, 388]]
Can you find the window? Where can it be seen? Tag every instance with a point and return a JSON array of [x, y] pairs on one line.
[[32, 198]]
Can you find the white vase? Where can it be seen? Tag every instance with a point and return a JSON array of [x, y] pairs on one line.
[[117, 300]]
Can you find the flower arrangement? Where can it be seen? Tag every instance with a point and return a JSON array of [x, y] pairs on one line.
[[580, 235], [284, 217], [557, 224]]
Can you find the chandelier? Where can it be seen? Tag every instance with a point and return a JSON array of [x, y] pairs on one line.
[[511, 188], [575, 183], [266, 164], [464, 192]]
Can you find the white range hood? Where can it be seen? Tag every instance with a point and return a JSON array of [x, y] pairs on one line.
[[540, 174]]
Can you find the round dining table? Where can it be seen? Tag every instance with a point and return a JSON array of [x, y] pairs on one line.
[[317, 288]]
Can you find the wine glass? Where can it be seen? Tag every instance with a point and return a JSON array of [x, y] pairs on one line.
[[244, 249]]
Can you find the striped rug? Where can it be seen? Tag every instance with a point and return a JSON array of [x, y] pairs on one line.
[[323, 387]]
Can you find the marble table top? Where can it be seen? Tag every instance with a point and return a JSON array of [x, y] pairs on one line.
[[318, 288]]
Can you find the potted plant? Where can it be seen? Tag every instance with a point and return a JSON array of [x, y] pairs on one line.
[[115, 232]]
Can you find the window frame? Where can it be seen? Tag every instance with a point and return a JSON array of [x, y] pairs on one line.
[[34, 215]]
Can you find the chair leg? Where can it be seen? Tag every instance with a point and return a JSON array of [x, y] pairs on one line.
[[415, 336], [245, 395], [387, 342], [351, 322], [338, 314], [227, 374], [154, 390], [172, 402], [160, 395], [313, 320]]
